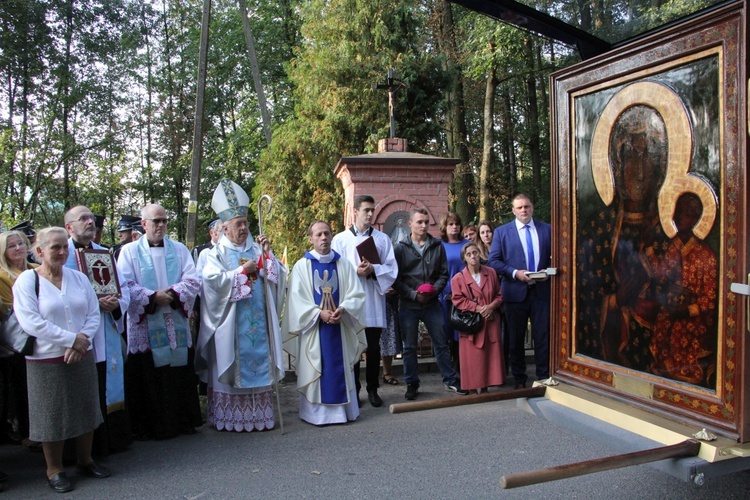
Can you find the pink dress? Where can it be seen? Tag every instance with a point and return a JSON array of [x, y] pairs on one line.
[[481, 355]]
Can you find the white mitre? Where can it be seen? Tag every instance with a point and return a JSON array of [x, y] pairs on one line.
[[230, 200]]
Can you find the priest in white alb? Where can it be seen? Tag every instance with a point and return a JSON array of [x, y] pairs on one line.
[[239, 353], [324, 330], [160, 389]]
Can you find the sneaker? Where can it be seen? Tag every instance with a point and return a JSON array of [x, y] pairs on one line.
[[411, 391], [455, 387]]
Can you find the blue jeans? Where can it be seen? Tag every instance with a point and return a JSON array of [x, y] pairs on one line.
[[432, 317]]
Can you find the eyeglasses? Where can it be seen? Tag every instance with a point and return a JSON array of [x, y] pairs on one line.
[[85, 218], [158, 221], [16, 245]]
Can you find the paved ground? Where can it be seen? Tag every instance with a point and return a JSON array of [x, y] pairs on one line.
[[448, 453]]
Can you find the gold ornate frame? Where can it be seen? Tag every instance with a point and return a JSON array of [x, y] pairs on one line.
[[631, 76]]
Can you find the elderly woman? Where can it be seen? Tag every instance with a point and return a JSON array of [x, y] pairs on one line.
[[14, 248], [58, 306], [477, 289]]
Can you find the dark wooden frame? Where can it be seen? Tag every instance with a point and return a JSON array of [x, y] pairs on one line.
[[108, 259], [726, 410]]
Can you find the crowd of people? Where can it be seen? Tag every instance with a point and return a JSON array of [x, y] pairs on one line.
[[110, 367]]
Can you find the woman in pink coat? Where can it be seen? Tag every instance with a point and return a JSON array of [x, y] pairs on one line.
[[477, 289]]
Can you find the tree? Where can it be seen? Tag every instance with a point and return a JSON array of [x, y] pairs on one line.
[[455, 119], [96, 104], [348, 45]]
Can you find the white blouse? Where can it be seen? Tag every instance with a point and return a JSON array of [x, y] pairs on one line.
[[58, 314]]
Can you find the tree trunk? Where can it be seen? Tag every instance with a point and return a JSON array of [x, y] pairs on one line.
[[533, 123], [544, 84], [510, 175], [485, 200], [585, 14], [64, 92], [463, 183], [172, 139]]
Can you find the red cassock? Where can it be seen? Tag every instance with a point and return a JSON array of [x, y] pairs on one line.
[[481, 355]]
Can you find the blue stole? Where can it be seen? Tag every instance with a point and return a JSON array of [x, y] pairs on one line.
[[326, 294], [163, 354], [115, 385], [250, 325]]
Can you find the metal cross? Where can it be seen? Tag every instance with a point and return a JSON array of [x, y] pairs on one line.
[[391, 87]]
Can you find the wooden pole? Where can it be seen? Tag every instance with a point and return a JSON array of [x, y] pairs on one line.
[[265, 118], [200, 93], [532, 392], [688, 448]]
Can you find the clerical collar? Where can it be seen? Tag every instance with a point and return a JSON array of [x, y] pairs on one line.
[[154, 245], [224, 240], [80, 245], [323, 259], [356, 232], [239, 248]]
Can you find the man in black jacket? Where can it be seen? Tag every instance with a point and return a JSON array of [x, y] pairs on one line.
[[422, 275]]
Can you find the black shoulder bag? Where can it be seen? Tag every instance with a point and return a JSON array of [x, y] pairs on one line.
[[467, 322]]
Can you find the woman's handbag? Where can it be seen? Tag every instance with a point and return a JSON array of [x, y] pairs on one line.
[[467, 322], [13, 338]]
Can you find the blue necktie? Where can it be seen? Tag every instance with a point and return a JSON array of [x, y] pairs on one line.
[[530, 249]]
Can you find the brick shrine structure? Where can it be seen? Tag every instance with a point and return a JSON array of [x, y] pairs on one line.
[[398, 180]]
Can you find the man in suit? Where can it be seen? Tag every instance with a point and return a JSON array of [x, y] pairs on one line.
[[520, 247]]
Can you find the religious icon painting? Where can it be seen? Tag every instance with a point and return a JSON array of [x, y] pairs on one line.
[[649, 185], [99, 266]]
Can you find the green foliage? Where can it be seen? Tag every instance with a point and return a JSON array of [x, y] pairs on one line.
[[347, 47], [98, 98]]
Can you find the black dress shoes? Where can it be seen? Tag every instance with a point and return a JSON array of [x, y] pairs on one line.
[[60, 483], [411, 392], [520, 386], [374, 399], [93, 469]]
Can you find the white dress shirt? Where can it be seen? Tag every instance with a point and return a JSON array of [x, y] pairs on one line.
[[521, 227]]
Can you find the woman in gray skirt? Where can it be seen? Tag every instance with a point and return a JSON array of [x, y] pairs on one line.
[[58, 306]]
